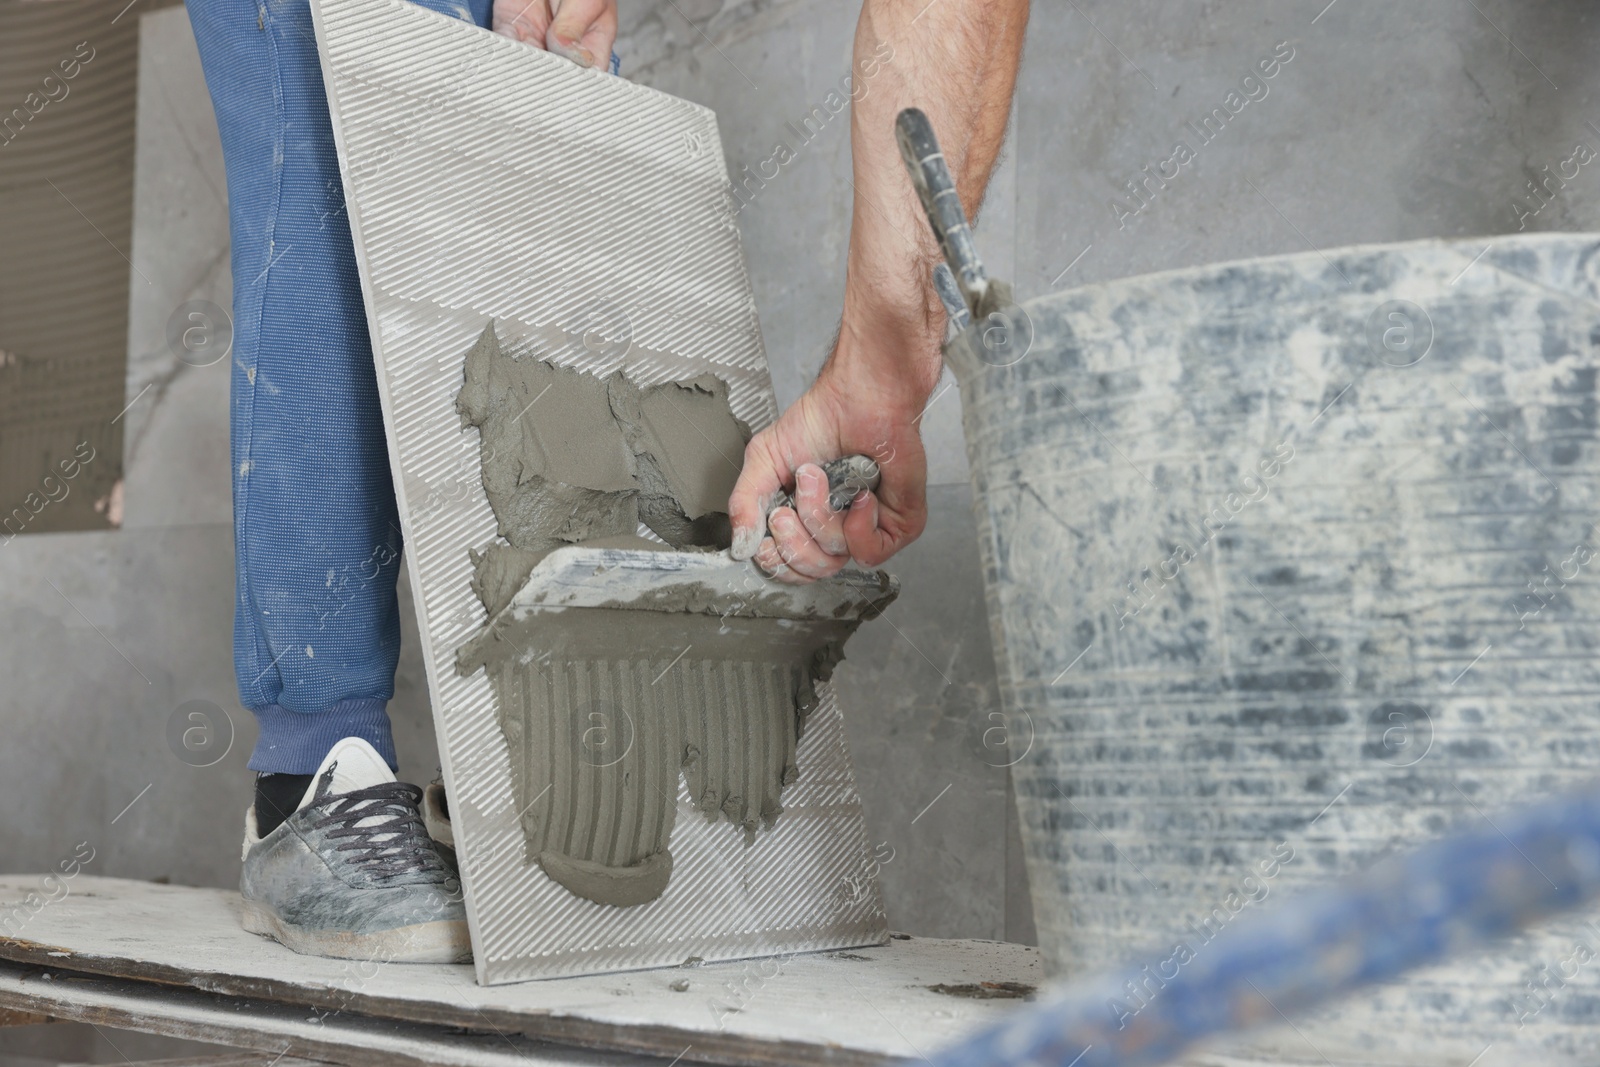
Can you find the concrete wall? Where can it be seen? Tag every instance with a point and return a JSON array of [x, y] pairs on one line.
[[1390, 122]]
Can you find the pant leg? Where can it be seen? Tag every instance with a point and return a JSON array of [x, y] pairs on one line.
[[316, 534]]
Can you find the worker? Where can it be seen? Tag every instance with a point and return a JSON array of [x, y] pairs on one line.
[[337, 858]]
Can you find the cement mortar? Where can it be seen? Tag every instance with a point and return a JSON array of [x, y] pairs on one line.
[[571, 457], [600, 708], [689, 449], [619, 886], [555, 466]]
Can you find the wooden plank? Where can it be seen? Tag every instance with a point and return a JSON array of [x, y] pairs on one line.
[[850, 1008], [23, 1018], [225, 1059], [273, 1028]]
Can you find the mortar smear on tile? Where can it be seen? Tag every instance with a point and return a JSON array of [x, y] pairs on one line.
[[601, 708], [569, 457]]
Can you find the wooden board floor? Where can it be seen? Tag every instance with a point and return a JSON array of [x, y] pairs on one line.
[[117, 951]]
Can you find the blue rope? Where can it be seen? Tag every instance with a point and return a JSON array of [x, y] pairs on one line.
[[1405, 911]]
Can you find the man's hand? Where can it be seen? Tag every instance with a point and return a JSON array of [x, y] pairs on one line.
[[851, 408], [581, 30], [957, 61]]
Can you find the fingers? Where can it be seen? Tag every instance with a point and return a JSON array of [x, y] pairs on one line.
[[583, 31], [792, 555], [813, 541], [759, 483], [825, 525], [522, 20], [880, 524], [808, 540], [867, 543]]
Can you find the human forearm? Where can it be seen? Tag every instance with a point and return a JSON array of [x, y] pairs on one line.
[[956, 60]]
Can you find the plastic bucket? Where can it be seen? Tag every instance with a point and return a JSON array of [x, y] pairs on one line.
[[1291, 562]]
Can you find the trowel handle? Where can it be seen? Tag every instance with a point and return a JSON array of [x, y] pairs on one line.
[[955, 306], [937, 190], [847, 477]]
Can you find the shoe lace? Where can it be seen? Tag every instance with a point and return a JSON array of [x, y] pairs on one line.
[[382, 830]]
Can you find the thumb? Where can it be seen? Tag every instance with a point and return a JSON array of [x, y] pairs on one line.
[[522, 20]]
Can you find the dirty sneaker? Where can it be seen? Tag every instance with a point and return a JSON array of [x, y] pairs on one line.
[[353, 873]]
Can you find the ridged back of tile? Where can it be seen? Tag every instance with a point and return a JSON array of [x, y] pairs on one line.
[[589, 218]]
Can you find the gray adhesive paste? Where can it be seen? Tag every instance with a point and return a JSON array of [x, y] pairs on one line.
[[690, 450], [598, 741], [603, 703], [570, 457], [555, 465]]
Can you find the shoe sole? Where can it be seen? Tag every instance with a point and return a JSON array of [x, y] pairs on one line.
[[432, 942]]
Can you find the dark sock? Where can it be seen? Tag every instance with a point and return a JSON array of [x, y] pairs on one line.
[[277, 795]]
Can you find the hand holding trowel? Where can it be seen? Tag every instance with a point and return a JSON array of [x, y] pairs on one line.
[[847, 478]]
